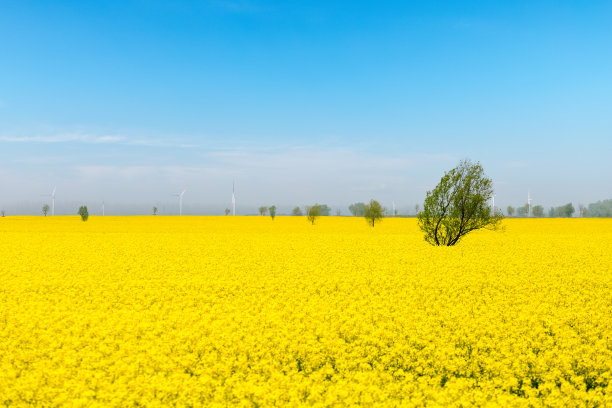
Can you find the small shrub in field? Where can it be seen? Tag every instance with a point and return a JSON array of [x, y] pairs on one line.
[[83, 212], [272, 211], [373, 212], [313, 212]]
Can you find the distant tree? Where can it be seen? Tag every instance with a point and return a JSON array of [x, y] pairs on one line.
[[417, 209], [45, 209], [227, 211], [600, 209], [373, 212], [3, 213], [537, 211], [154, 210], [83, 212], [325, 210], [313, 212], [510, 211], [272, 211], [297, 211], [338, 212], [263, 210], [357, 209], [582, 210], [566, 210], [526, 208], [521, 211], [395, 212], [552, 212], [458, 205]]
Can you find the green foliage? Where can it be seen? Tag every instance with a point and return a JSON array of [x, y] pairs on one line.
[[83, 212], [45, 209], [600, 209], [263, 210], [297, 211], [510, 211], [566, 210], [537, 211], [272, 211], [373, 212], [313, 212], [3, 213], [552, 212], [325, 210], [154, 210], [227, 211], [357, 209], [522, 211], [458, 205]]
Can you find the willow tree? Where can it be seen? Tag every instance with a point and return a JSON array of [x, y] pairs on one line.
[[459, 205]]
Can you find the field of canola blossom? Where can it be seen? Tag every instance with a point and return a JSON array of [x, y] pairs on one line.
[[217, 311]]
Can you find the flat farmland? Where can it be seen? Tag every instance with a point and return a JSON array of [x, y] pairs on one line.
[[217, 311]]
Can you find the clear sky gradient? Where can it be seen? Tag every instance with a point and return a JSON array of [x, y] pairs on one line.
[[129, 101]]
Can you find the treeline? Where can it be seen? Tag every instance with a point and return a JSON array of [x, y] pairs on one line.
[[359, 209], [356, 209], [566, 210], [323, 210], [598, 209], [373, 212]]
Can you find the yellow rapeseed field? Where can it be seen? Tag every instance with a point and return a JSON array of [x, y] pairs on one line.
[[218, 311]]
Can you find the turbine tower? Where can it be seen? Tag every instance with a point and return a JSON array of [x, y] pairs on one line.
[[528, 202], [233, 198], [493, 204], [180, 198], [102, 207]]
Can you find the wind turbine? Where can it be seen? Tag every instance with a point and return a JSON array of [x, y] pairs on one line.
[[102, 207], [52, 195], [528, 202], [493, 203], [233, 198], [180, 197]]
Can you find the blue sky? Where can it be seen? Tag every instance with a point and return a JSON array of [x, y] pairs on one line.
[[303, 101]]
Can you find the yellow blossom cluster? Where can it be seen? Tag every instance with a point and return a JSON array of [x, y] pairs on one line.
[[218, 311]]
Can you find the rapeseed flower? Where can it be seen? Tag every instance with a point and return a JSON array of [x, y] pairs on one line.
[[213, 311]]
